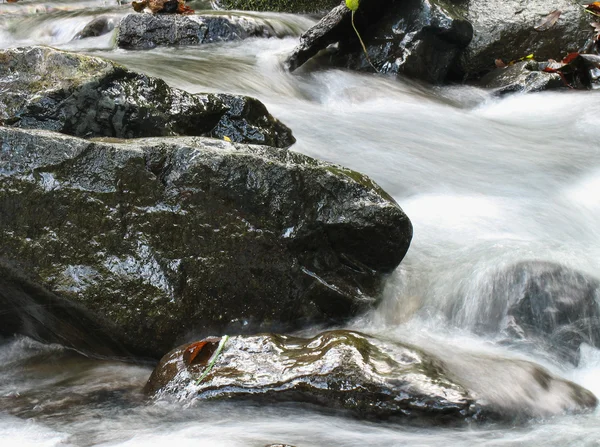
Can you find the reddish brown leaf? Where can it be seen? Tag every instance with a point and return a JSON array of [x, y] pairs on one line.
[[200, 351], [549, 21], [595, 7], [192, 351], [570, 57], [500, 63]]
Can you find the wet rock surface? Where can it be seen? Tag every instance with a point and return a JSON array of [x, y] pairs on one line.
[[338, 369], [523, 77], [97, 27], [551, 305], [145, 31], [507, 30], [420, 39], [165, 237], [368, 377], [440, 41], [90, 97]]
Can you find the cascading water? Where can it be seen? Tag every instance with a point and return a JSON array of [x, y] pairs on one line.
[[488, 183]]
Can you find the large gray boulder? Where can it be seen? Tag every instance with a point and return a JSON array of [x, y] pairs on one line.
[[167, 238], [506, 29], [441, 40], [369, 377], [145, 31], [86, 96]]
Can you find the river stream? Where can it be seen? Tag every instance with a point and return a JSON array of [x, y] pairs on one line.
[[486, 182]]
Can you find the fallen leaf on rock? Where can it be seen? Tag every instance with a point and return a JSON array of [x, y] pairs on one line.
[[570, 57], [499, 63], [549, 21], [595, 6], [200, 352], [226, 138]]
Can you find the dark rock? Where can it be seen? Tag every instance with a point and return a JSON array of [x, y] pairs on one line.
[[443, 40], [91, 97], [166, 238], [549, 305], [294, 6], [28, 308], [505, 29], [418, 38], [369, 377], [145, 31], [521, 77], [97, 27]]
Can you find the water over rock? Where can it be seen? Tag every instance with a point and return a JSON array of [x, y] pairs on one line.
[[167, 237], [90, 97], [145, 31], [551, 305], [350, 371], [442, 40], [97, 27]]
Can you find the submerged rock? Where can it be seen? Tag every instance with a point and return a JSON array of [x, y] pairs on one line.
[[371, 378], [145, 31], [551, 305], [169, 237], [521, 77], [97, 27], [92, 97], [294, 6], [537, 306]]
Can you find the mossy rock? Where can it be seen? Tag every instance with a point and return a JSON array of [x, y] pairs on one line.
[[174, 237]]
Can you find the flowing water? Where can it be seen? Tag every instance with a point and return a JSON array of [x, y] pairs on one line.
[[487, 182]]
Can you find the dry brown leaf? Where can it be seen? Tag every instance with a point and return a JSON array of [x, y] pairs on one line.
[[549, 21]]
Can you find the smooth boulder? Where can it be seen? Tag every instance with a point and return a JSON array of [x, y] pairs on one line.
[[171, 238], [369, 377], [340, 369], [145, 31], [91, 97]]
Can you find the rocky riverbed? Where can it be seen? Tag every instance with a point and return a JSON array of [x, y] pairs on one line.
[[170, 190]]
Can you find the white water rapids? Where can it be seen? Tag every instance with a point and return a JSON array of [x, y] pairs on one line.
[[486, 182]]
